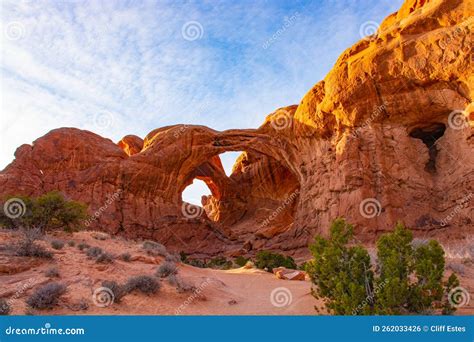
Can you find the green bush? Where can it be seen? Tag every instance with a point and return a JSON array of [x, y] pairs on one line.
[[240, 261], [47, 212], [408, 277], [220, 263], [268, 260]]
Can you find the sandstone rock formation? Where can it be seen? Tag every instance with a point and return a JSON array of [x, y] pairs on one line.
[[386, 136]]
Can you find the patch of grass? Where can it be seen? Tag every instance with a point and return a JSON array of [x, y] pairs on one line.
[[180, 285], [220, 263], [241, 261], [105, 258], [268, 261], [57, 244], [47, 296], [118, 290], [172, 257], [100, 236], [154, 248], [52, 272], [5, 307], [31, 249], [196, 263], [126, 257], [144, 284], [82, 246], [94, 252], [166, 269]]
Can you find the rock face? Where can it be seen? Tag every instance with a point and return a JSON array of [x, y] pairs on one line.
[[386, 136]]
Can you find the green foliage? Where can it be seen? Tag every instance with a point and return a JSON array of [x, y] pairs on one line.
[[408, 278], [268, 260], [241, 261], [342, 274], [183, 256], [50, 211], [220, 263]]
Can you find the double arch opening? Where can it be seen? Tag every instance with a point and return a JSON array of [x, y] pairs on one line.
[[261, 193]]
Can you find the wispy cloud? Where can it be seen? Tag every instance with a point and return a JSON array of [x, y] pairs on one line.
[[65, 62]]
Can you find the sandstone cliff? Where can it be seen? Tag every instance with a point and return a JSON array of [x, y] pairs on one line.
[[386, 136]]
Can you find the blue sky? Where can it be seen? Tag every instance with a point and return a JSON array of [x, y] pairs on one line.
[[127, 67]]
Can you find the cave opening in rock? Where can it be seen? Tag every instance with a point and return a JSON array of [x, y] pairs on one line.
[[193, 192], [429, 135]]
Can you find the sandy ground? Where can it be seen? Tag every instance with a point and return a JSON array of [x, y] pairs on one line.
[[233, 292]]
